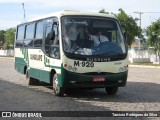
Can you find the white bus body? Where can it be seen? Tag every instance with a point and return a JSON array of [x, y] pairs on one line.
[[58, 49]]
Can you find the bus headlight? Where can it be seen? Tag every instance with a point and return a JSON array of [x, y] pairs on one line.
[[69, 67], [124, 68], [121, 69], [74, 69]]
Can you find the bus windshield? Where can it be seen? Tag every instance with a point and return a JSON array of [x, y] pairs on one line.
[[92, 36]]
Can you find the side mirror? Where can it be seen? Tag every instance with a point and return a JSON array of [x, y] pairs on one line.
[[52, 35], [54, 31]]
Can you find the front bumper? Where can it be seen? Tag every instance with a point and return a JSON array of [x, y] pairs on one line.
[[73, 80]]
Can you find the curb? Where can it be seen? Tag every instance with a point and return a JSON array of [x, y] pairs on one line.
[[144, 66], [4, 57]]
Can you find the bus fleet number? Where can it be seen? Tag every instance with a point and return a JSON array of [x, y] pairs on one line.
[[83, 64]]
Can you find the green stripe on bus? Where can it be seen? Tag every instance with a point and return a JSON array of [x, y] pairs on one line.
[[41, 75], [20, 64], [25, 54], [20, 60], [47, 61]]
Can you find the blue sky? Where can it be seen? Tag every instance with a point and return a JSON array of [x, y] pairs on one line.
[[11, 11]]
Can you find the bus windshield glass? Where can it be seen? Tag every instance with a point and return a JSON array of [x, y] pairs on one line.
[[92, 36]]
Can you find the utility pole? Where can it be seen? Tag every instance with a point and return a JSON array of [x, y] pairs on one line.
[[140, 13], [24, 16]]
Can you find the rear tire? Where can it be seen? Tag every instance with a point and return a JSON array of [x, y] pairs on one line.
[[31, 81], [111, 90], [58, 91]]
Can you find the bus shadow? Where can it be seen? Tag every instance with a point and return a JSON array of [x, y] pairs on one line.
[[22, 98], [134, 92]]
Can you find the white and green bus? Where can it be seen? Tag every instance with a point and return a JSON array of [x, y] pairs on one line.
[[59, 49]]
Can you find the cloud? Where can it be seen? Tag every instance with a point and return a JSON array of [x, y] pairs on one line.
[[19, 1], [40, 7], [10, 24], [69, 4], [111, 6]]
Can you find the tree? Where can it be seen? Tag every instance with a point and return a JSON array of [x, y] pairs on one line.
[[129, 25], [2, 36], [153, 33], [9, 38]]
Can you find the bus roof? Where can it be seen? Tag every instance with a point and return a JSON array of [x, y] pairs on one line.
[[72, 12]]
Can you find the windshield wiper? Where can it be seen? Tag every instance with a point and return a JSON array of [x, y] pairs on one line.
[[111, 54], [76, 50], [116, 53]]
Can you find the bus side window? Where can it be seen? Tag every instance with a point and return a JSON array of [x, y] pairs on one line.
[[20, 36], [38, 34], [28, 41]]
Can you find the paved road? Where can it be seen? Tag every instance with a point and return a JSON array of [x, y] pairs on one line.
[[142, 93]]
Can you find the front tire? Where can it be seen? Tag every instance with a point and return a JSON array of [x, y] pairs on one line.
[[58, 91], [111, 90]]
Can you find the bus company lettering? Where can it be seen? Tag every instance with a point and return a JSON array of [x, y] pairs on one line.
[[36, 57], [98, 59]]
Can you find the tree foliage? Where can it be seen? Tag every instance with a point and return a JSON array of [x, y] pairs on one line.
[[9, 38], [129, 25], [2, 37], [153, 33]]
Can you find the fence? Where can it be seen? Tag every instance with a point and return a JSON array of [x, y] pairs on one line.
[[6, 52], [141, 56], [134, 55]]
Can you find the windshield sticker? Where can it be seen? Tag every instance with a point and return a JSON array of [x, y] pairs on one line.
[[99, 59]]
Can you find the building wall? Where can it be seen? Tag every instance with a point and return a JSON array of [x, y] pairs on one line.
[[134, 55], [6, 52], [141, 56]]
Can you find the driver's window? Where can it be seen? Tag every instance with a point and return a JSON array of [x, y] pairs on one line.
[[47, 38], [55, 48]]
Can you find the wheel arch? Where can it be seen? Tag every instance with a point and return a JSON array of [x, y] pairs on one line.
[[53, 71], [25, 70]]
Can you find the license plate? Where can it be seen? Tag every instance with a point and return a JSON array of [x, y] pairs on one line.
[[98, 79]]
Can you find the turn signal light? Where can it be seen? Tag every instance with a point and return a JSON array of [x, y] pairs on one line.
[[65, 65]]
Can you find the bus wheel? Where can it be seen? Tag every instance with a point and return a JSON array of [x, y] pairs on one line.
[[58, 91], [111, 90], [31, 81]]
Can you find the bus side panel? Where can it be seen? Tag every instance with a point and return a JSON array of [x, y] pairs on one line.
[[21, 59], [41, 75], [20, 65]]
